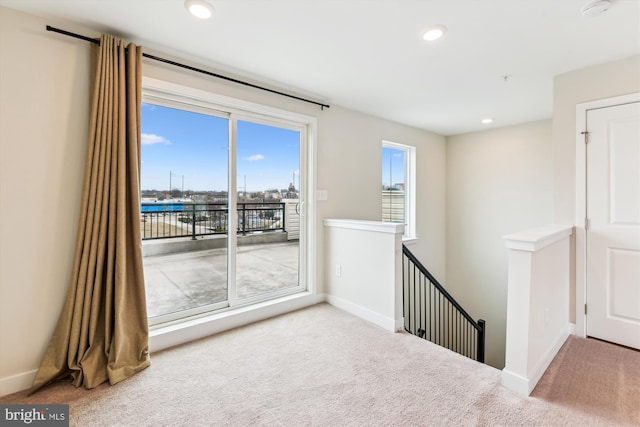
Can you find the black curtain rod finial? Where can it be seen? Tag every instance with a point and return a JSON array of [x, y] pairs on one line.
[[70, 34], [188, 67]]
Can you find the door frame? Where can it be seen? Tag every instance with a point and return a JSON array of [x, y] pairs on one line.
[[581, 202]]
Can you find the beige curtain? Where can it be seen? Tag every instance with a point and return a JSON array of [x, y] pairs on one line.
[[102, 333]]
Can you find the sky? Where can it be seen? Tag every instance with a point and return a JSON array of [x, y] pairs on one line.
[[392, 166], [183, 145]]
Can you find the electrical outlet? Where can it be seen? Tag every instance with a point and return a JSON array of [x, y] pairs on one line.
[[338, 270]]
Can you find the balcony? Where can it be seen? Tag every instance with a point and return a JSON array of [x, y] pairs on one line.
[[184, 247], [187, 219]]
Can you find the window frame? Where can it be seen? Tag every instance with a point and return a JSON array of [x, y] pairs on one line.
[[409, 151]]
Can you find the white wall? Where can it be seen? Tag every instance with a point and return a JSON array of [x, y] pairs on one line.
[[44, 98], [503, 180], [363, 264], [602, 81], [350, 167], [45, 87], [498, 182]]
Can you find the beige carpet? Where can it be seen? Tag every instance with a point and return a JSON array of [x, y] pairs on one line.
[[321, 366], [596, 377]]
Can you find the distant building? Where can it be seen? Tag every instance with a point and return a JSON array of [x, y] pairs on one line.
[[393, 203]]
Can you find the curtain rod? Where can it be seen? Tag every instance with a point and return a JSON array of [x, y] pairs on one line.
[[188, 67]]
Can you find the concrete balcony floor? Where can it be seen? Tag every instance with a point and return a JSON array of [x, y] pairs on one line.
[[180, 281]]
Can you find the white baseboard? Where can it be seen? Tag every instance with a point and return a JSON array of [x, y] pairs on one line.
[[384, 322], [524, 385], [16, 383], [544, 363], [515, 382]]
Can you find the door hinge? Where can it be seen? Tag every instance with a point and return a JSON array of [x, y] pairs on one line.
[[586, 136], [585, 309], [586, 223]]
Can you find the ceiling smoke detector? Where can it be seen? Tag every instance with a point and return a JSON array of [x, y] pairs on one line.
[[595, 8]]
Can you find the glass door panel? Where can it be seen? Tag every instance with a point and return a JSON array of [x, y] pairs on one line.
[[268, 207], [184, 210]]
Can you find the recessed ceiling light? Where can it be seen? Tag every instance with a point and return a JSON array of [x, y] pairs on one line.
[[487, 121], [434, 33], [199, 8]]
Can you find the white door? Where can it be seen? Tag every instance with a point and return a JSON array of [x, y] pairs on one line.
[[613, 234]]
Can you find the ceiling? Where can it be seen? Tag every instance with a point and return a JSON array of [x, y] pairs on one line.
[[368, 55]]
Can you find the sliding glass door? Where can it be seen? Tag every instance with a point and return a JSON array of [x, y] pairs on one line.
[[221, 205]]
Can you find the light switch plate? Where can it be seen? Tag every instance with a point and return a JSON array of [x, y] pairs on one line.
[[321, 195]]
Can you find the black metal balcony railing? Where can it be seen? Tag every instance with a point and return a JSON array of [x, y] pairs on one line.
[[169, 220]]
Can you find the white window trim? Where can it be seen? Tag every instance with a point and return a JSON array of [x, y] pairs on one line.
[[409, 236]]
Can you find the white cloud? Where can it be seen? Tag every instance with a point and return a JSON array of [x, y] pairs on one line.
[[397, 154], [150, 139], [255, 157]]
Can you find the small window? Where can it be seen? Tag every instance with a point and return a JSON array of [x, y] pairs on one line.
[[398, 186]]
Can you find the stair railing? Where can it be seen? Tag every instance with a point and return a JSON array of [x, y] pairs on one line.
[[430, 312]]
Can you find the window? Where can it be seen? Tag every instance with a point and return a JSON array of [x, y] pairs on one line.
[[221, 195], [398, 186]]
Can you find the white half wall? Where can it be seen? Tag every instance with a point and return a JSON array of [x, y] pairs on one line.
[[538, 303], [364, 270]]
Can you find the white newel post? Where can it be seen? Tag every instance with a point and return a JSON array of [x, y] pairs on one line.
[[537, 303], [363, 269]]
